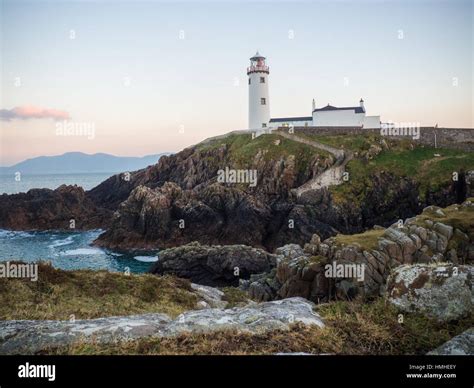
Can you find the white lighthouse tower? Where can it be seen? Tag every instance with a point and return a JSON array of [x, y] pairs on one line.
[[259, 102]]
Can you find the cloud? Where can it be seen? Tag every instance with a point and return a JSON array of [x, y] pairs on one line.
[[32, 112]]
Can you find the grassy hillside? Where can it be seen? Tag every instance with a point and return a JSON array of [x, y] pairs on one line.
[[244, 151], [87, 294], [372, 154], [403, 158]]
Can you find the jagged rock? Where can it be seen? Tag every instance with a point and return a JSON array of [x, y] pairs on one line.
[[212, 297], [407, 246], [302, 273], [43, 209], [30, 337], [147, 208], [461, 345], [441, 291], [436, 210], [444, 230], [302, 276], [290, 251], [262, 287], [391, 248], [213, 265]]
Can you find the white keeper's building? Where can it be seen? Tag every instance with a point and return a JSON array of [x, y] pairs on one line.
[[327, 116]]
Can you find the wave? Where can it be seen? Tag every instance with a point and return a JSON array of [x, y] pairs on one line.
[[146, 259], [14, 234], [61, 242], [83, 251]]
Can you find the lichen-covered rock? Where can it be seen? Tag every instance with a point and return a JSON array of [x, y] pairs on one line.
[[442, 291], [290, 251], [211, 297], [262, 287], [30, 337], [213, 265], [461, 345]]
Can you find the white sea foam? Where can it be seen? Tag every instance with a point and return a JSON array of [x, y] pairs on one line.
[[61, 242], [14, 234], [146, 259], [83, 251]]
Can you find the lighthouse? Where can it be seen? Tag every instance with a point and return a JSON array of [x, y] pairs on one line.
[[259, 102]]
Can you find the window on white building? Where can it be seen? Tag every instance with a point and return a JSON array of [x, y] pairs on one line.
[[264, 125], [262, 80], [263, 101], [250, 81]]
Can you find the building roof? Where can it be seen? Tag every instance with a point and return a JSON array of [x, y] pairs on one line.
[[288, 119], [257, 56], [357, 109]]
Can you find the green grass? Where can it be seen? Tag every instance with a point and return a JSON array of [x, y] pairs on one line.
[[401, 157], [87, 294], [367, 240], [458, 217], [350, 142], [243, 150], [235, 297], [420, 164]]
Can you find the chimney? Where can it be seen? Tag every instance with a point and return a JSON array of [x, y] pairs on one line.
[[314, 104], [361, 102]]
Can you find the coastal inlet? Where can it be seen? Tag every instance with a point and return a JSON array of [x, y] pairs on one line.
[[71, 250]]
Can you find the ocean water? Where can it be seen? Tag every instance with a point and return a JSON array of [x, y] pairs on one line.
[[71, 250], [8, 184]]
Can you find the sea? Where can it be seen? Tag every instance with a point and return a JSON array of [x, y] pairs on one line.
[[66, 250], [9, 185]]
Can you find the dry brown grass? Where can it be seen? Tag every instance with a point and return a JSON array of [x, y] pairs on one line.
[[87, 294]]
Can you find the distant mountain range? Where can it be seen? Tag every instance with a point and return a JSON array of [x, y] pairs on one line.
[[80, 163]]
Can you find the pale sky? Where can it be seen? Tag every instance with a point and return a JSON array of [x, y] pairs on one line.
[[154, 76]]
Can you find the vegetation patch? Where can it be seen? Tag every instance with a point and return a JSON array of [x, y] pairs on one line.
[[88, 294], [242, 150], [459, 217], [367, 240], [401, 158], [235, 297]]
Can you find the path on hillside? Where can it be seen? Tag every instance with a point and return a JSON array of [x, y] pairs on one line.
[[332, 176]]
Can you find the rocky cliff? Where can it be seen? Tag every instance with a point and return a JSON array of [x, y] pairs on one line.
[[67, 207], [350, 266], [180, 200]]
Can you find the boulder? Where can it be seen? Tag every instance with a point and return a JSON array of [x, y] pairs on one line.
[[211, 297], [30, 337], [290, 251], [262, 287], [444, 230], [215, 265], [461, 345], [441, 291]]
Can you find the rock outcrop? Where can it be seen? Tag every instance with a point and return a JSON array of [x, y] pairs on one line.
[[210, 297], [51, 209], [461, 345], [213, 265], [441, 291], [179, 200], [30, 337], [344, 267]]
